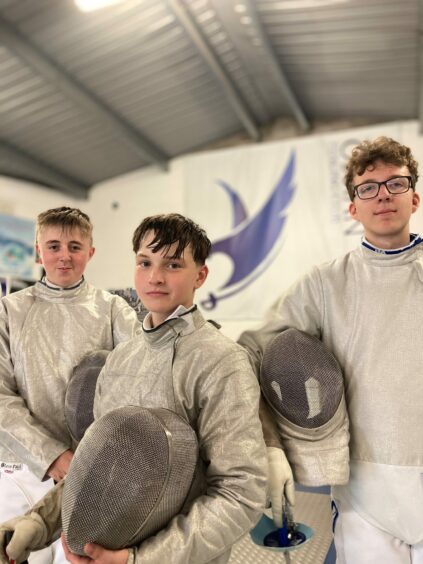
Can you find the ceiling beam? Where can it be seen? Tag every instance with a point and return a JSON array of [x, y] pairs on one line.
[[81, 96], [15, 162], [276, 69], [234, 97]]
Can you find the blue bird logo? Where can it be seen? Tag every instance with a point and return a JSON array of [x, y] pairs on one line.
[[259, 233]]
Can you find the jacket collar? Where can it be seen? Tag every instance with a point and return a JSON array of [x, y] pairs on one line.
[[414, 240], [186, 322], [392, 257], [44, 290]]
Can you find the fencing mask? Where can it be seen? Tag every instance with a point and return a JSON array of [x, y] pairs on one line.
[[303, 384], [80, 391], [130, 474]]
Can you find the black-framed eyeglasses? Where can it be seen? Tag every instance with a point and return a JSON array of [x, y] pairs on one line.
[[397, 185]]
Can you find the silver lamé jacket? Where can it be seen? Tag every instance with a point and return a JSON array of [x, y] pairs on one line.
[[44, 333], [188, 366]]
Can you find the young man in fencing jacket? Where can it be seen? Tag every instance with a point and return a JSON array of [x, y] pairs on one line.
[[367, 308], [45, 330]]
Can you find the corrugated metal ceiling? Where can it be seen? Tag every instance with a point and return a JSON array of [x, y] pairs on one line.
[[88, 96]]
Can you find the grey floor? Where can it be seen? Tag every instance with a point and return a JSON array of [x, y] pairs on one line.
[[313, 508]]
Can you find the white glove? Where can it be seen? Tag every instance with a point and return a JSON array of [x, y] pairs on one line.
[[281, 482], [29, 533], [34, 530]]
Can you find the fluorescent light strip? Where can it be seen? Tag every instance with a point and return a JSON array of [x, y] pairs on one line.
[[91, 5]]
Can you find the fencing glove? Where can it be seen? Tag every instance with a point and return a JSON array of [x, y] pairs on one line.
[[33, 531], [281, 482]]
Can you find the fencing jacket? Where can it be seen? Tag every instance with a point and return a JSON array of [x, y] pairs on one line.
[[367, 308], [44, 333], [188, 366]]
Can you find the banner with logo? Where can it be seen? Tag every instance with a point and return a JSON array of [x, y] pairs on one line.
[[272, 212]]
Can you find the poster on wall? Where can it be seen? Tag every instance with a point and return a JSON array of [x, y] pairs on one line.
[[272, 212], [16, 246]]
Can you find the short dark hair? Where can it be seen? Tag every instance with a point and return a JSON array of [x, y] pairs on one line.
[[170, 229], [66, 218], [382, 149]]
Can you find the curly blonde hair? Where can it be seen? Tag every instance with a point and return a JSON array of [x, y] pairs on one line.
[[383, 149]]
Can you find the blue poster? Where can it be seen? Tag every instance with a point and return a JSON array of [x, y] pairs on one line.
[[17, 246]]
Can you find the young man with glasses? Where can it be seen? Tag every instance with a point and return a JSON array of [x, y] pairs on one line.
[[367, 308]]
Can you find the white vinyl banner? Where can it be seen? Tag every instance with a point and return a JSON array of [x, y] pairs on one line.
[[272, 212]]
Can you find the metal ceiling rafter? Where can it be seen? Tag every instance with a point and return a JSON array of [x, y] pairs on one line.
[[278, 73], [235, 99], [72, 89], [12, 158]]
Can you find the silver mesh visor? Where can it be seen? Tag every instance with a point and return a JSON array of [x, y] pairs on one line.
[[301, 379], [130, 475], [79, 398]]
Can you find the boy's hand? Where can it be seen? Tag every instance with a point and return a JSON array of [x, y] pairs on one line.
[[281, 482], [96, 554], [59, 468]]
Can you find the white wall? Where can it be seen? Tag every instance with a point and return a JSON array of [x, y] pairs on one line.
[[27, 200], [116, 208]]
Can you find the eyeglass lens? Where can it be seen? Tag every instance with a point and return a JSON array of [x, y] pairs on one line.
[[393, 185]]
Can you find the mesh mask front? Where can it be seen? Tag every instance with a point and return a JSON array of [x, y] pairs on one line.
[[79, 398], [130, 475], [301, 380]]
